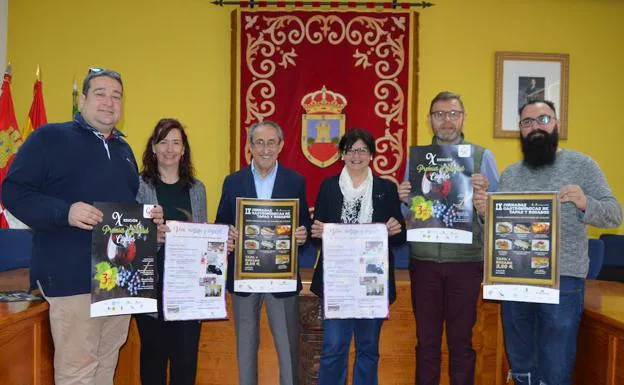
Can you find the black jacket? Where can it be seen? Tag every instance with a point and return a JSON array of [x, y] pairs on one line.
[[288, 185], [386, 205]]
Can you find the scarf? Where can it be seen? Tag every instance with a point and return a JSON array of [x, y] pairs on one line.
[[354, 198]]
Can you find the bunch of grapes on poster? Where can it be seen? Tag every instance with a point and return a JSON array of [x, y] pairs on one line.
[[123, 258]]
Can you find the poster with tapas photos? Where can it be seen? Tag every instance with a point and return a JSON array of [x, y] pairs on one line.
[[440, 203], [521, 247], [123, 252], [355, 271], [266, 253], [195, 271]]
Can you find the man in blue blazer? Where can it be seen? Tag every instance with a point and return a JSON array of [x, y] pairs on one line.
[[265, 179]]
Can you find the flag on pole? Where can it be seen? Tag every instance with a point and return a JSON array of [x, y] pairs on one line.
[[36, 115], [10, 138]]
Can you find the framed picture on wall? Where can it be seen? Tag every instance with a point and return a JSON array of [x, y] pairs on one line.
[[524, 76]]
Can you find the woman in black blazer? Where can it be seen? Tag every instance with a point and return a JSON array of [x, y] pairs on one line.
[[355, 196]]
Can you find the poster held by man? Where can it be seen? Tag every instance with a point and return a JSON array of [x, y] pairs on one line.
[[522, 247], [441, 198], [123, 250], [266, 259]]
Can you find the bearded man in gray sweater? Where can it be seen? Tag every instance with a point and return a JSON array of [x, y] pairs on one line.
[[540, 339]]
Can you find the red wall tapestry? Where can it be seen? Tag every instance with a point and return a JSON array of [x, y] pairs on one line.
[[319, 73]]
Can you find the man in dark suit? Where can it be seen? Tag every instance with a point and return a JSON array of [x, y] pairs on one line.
[[265, 179]]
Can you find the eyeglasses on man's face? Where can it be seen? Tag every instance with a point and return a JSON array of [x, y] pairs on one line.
[[359, 151], [441, 115], [271, 144], [541, 120]]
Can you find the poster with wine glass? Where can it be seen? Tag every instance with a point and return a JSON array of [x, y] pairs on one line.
[[440, 203], [123, 258]]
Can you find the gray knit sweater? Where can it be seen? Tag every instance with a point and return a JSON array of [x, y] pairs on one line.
[[603, 210]]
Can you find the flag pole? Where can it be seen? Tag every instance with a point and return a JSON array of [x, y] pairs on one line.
[[307, 3]]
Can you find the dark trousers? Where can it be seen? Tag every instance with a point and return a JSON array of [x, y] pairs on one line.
[[173, 342], [540, 338], [445, 293]]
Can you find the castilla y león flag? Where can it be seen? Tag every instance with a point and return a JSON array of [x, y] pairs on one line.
[[10, 138]]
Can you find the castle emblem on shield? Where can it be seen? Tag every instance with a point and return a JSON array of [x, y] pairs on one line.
[[322, 126]]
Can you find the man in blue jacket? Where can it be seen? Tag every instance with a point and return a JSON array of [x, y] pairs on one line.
[[265, 179], [55, 177]]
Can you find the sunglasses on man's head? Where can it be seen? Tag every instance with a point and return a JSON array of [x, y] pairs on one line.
[[97, 70]]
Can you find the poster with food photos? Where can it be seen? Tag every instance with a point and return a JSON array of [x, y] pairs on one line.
[[266, 253], [440, 202], [195, 271], [123, 256], [522, 246], [355, 271]]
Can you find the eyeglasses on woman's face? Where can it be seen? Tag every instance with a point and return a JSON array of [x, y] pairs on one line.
[[363, 151]]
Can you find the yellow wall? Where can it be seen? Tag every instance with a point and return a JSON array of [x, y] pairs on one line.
[[457, 45], [175, 60]]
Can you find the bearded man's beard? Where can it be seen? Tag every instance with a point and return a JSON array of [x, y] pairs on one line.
[[540, 148]]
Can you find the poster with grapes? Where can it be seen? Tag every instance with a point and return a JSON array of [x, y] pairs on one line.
[[266, 253], [522, 247], [123, 252], [440, 203]]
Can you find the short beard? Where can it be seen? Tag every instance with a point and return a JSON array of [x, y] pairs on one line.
[[540, 150]]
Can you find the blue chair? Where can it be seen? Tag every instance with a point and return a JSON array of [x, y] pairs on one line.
[[614, 249], [596, 250], [613, 265], [15, 249]]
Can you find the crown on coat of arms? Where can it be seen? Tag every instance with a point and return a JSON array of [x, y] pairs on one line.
[[323, 101]]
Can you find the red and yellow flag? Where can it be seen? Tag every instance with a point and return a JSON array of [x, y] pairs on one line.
[[36, 115], [10, 138]]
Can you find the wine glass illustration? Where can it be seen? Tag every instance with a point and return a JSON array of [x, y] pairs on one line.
[[121, 250]]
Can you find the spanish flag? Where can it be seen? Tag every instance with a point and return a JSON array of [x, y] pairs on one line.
[[10, 138], [36, 115]]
